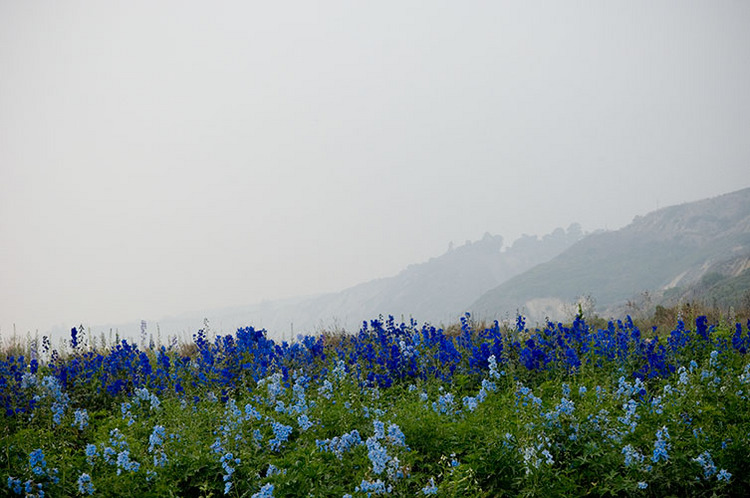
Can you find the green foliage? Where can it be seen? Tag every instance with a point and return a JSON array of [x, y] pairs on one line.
[[535, 433]]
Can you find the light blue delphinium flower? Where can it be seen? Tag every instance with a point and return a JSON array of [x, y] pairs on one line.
[[108, 454], [156, 438], [304, 422], [396, 435], [125, 463], [470, 403], [252, 413], [430, 488], [377, 487], [444, 404], [281, 433], [657, 406], [28, 380], [326, 390], [661, 446], [127, 415], [684, 378], [632, 456], [90, 453], [377, 454], [274, 470], [379, 428], [492, 362], [265, 492], [723, 475], [705, 461], [642, 485], [85, 486], [81, 419]]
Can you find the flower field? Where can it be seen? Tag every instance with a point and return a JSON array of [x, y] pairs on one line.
[[398, 409]]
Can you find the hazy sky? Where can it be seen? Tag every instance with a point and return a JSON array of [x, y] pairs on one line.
[[158, 157]]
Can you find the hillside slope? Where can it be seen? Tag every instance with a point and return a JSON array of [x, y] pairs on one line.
[[439, 290], [671, 248]]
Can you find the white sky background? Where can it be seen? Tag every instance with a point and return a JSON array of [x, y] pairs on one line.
[[158, 157]]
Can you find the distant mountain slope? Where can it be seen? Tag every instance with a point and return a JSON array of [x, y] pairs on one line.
[[437, 291], [669, 248]]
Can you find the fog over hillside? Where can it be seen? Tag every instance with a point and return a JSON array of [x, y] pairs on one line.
[[437, 291], [163, 156]]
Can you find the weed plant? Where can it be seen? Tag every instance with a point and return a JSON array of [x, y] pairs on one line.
[[397, 409]]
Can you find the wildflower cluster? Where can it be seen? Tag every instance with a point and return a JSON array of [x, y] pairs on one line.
[[563, 408]]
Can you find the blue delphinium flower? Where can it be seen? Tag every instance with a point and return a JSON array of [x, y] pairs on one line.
[[630, 419], [492, 362], [274, 470], [108, 454], [50, 387], [705, 461], [444, 404], [470, 403], [90, 453], [85, 486], [226, 463], [430, 488], [28, 380], [281, 433], [379, 429], [15, 485], [304, 422], [684, 378], [377, 454], [125, 463], [127, 414], [340, 445], [81, 419], [714, 359], [156, 438], [632, 456], [117, 439], [661, 446], [642, 485], [377, 487], [252, 413], [524, 395], [37, 463], [326, 390], [265, 492], [396, 435], [723, 475]]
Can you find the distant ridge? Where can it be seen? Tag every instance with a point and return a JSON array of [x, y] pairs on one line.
[[667, 253], [437, 291]]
